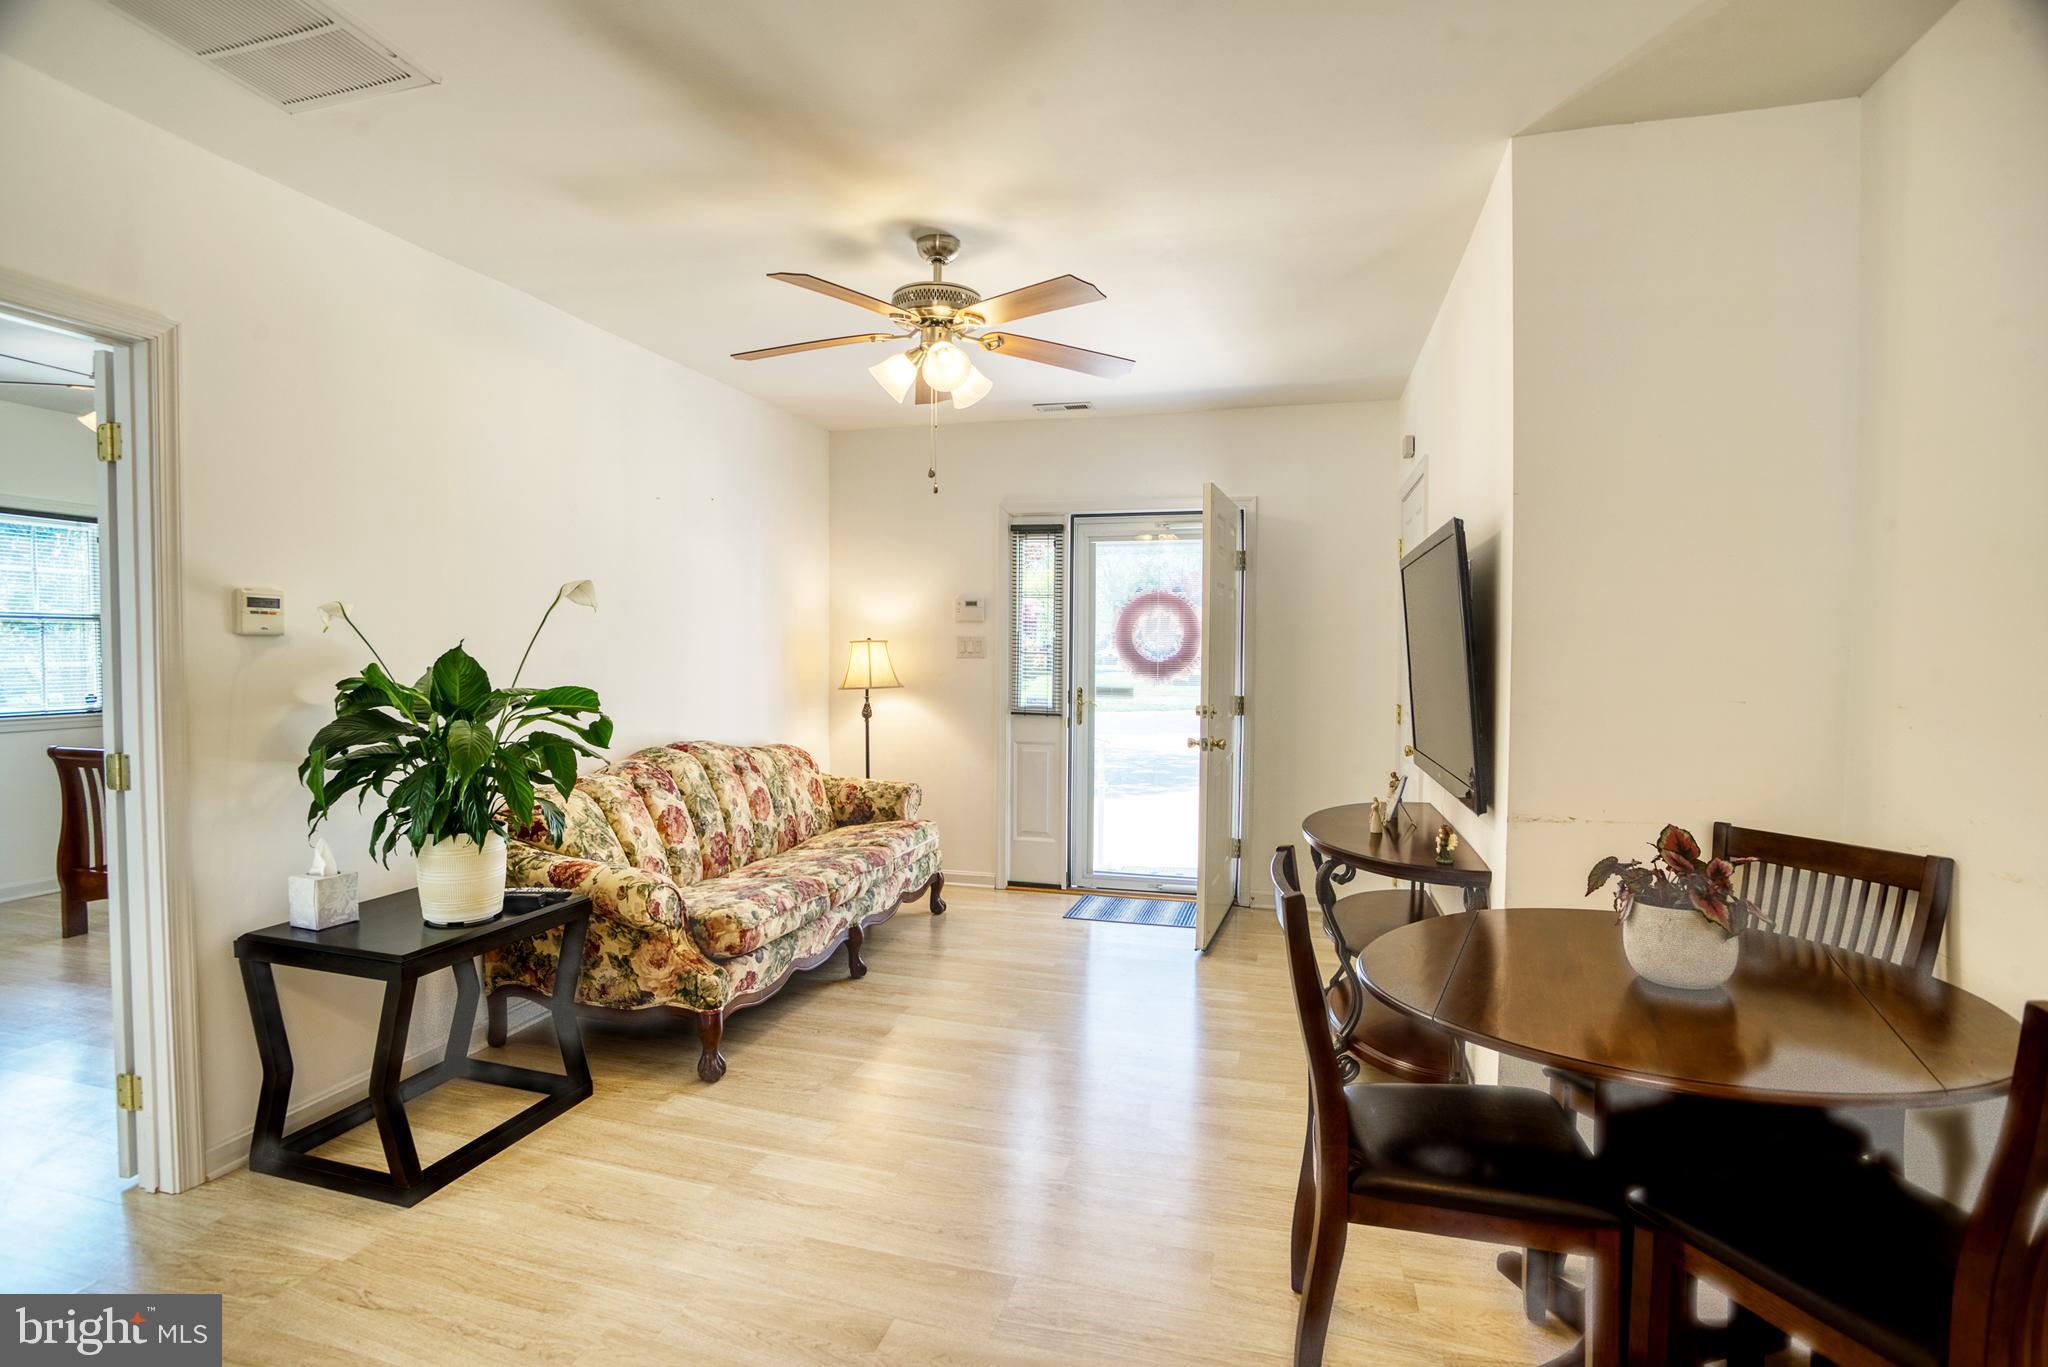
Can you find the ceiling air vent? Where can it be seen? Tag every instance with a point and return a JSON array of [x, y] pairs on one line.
[[294, 54], [1071, 406]]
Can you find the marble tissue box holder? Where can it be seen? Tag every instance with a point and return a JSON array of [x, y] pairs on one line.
[[320, 897]]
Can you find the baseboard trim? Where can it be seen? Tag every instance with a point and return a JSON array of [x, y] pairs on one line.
[[233, 1152], [21, 892], [970, 878]]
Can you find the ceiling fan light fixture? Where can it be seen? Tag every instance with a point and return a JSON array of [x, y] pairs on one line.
[[896, 374], [973, 389], [946, 367]]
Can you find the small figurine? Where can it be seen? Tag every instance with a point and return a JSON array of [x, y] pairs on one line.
[[1376, 818], [1446, 843]]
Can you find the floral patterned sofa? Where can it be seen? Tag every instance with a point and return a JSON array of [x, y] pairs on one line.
[[715, 872]]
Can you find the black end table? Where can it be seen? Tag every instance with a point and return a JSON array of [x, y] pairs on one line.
[[392, 944]]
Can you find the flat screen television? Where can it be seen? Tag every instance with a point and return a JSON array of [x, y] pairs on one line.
[[1443, 669]]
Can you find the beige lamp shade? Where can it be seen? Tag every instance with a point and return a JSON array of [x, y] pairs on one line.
[[868, 666]]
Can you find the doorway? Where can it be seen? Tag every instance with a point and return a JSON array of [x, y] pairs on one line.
[[92, 616], [1134, 804]]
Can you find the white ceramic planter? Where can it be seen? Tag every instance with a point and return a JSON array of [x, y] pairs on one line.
[[459, 883], [1678, 947]]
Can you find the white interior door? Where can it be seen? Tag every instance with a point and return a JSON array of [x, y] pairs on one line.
[[112, 382], [1222, 575]]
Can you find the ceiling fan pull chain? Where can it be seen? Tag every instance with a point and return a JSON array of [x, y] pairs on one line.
[[932, 472]]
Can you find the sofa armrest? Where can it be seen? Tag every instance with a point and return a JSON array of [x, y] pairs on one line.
[[618, 892], [859, 800]]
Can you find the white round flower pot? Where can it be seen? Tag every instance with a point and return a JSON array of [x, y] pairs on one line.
[[1678, 947], [460, 884]]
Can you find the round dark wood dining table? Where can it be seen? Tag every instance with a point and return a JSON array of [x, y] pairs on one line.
[[1799, 1024]]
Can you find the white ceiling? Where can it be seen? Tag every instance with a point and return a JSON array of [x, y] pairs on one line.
[[38, 365], [1272, 195]]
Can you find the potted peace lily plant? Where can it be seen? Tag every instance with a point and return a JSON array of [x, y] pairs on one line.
[[1680, 914], [454, 761]]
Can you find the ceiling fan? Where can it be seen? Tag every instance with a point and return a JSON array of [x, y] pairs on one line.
[[943, 320]]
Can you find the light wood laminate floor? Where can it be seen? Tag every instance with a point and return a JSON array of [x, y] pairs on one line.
[[1018, 1139]]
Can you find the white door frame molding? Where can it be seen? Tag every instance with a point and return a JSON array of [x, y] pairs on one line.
[[158, 921]]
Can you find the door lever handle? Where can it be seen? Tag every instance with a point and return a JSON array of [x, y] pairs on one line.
[[1080, 702]]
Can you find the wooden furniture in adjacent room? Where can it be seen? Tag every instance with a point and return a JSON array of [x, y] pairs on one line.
[[393, 945], [1502, 1164], [82, 838], [1342, 844], [1857, 1263]]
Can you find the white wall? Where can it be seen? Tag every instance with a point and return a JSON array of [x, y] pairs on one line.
[[1951, 731], [1684, 454], [1460, 407], [1323, 617], [364, 420], [46, 466]]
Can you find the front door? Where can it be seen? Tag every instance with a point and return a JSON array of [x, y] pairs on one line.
[[1137, 677]]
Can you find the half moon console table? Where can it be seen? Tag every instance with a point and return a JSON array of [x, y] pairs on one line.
[[1342, 845]]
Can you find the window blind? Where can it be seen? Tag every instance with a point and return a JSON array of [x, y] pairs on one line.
[[1038, 596], [49, 615]]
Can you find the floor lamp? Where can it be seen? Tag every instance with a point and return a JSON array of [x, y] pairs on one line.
[[868, 667]]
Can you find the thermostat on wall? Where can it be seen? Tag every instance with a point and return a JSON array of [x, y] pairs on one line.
[[970, 607], [259, 612]]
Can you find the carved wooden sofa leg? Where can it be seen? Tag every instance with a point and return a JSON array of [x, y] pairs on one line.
[[856, 967], [494, 1018], [938, 885], [710, 1030]]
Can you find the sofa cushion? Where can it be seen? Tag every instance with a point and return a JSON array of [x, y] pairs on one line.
[[664, 801], [737, 914], [896, 840], [700, 798], [625, 811], [796, 793], [735, 806], [585, 832]]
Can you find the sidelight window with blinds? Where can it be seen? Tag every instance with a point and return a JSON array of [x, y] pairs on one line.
[[1038, 596]]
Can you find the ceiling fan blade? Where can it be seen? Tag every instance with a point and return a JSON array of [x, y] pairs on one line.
[[854, 297], [790, 350], [1062, 292], [1057, 353]]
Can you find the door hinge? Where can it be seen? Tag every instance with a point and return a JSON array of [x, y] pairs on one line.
[[1237, 705], [110, 441], [1243, 560], [1397, 714], [1399, 547], [1237, 849], [128, 1091], [115, 769]]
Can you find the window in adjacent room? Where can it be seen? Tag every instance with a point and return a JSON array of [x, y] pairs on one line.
[[49, 615], [1038, 598]]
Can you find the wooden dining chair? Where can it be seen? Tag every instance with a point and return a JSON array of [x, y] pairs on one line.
[[1500, 1164], [81, 837], [1867, 1269]]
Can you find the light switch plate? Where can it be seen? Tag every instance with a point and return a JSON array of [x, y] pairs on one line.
[[970, 647]]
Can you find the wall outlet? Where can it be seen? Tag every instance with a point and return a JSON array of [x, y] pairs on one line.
[[970, 647]]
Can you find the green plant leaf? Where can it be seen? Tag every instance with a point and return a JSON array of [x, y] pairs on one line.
[[560, 758], [569, 698], [599, 732], [517, 790], [410, 701], [357, 728], [470, 747], [459, 683], [313, 773]]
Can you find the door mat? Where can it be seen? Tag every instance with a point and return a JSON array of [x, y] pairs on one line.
[[1134, 911]]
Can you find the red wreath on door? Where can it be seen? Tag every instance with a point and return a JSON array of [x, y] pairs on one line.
[[1157, 668]]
